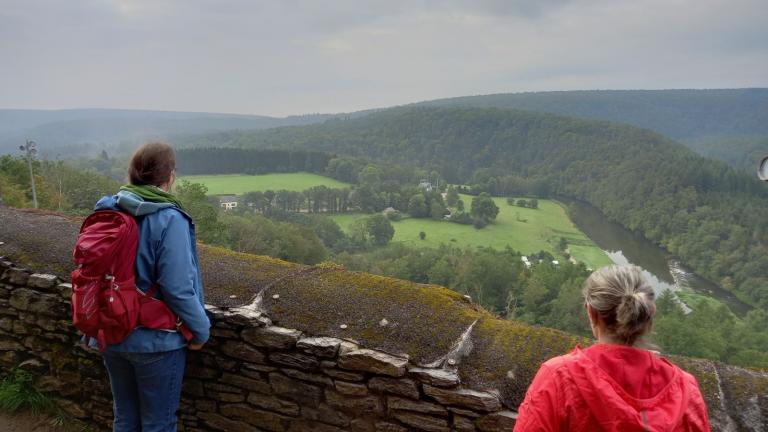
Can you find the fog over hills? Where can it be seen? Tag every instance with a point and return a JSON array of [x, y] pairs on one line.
[[726, 124], [81, 130]]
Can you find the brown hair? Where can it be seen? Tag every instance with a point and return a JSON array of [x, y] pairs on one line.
[[152, 164], [624, 301]]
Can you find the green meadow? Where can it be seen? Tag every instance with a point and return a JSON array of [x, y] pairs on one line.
[[523, 229], [224, 184]]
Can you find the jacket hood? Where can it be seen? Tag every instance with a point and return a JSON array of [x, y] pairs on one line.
[[629, 389], [130, 203]]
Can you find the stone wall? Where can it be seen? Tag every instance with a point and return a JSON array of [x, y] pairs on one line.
[[251, 375], [313, 348]]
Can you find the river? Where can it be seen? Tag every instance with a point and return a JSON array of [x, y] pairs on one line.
[[663, 270]]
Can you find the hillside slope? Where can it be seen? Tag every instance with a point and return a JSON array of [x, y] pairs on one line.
[[725, 124], [679, 114], [702, 210]]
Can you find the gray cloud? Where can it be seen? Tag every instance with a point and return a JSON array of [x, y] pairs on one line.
[[296, 56]]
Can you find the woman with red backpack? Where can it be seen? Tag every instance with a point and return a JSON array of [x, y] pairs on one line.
[[614, 385], [146, 369]]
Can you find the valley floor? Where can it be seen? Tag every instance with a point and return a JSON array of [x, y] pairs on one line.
[[523, 229]]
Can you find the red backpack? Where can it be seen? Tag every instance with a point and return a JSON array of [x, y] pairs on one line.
[[106, 305]]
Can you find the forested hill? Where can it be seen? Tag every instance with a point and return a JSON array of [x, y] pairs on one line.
[[702, 210], [730, 125], [679, 114]]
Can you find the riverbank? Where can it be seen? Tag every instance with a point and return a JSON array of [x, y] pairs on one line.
[[662, 269]]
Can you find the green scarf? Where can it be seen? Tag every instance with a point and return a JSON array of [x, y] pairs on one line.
[[153, 194]]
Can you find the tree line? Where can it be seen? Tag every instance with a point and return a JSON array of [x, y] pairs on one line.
[[545, 294], [59, 185], [194, 161], [707, 213]]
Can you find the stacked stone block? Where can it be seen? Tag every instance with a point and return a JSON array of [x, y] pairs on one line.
[[277, 379], [252, 375]]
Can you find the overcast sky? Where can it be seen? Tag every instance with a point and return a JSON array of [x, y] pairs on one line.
[[300, 56]]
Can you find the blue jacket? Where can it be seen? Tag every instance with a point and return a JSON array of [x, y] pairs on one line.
[[166, 255]]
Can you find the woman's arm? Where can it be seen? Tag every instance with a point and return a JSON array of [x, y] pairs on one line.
[[176, 273]]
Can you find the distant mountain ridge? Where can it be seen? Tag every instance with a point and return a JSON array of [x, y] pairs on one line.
[[726, 124], [678, 114], [57, 129]]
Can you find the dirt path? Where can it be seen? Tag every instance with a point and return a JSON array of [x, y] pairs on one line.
[[26, 422]]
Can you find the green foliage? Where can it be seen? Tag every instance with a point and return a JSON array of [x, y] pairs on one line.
[[484, 210], [701, 210], [196, 161], [379, 229], [422, 235], [417, 206], [393, 215], [711, 331], [12, 194], [204, 214], [742, 152], [60, 186], [437, 211], [452, 197], [676, 113], [258, 235], [17, 393]]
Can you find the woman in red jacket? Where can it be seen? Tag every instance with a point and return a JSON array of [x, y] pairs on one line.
[[614, 385]]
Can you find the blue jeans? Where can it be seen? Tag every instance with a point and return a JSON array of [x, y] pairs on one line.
[[146, 388]]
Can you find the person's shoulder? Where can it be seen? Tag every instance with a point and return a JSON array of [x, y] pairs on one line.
[[561, 362], [169, 218], [107, 202], [170, 215]]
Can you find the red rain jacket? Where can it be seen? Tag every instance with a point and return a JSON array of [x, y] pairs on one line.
[[612, 388]]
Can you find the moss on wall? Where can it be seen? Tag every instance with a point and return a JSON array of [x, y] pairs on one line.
[[393, 315]]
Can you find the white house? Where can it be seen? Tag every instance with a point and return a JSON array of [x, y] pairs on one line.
[[228, 202]]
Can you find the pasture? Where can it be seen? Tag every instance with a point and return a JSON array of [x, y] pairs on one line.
[[523, 229]]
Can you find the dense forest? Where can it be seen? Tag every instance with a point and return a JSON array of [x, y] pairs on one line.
[[679, 114], [709, 214], [249, 161], [726, 124]]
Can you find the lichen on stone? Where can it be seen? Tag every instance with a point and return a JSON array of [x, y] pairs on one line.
[[422, 321]]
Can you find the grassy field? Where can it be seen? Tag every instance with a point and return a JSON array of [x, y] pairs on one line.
[[523, 229], [240, 183], [536, 230]]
